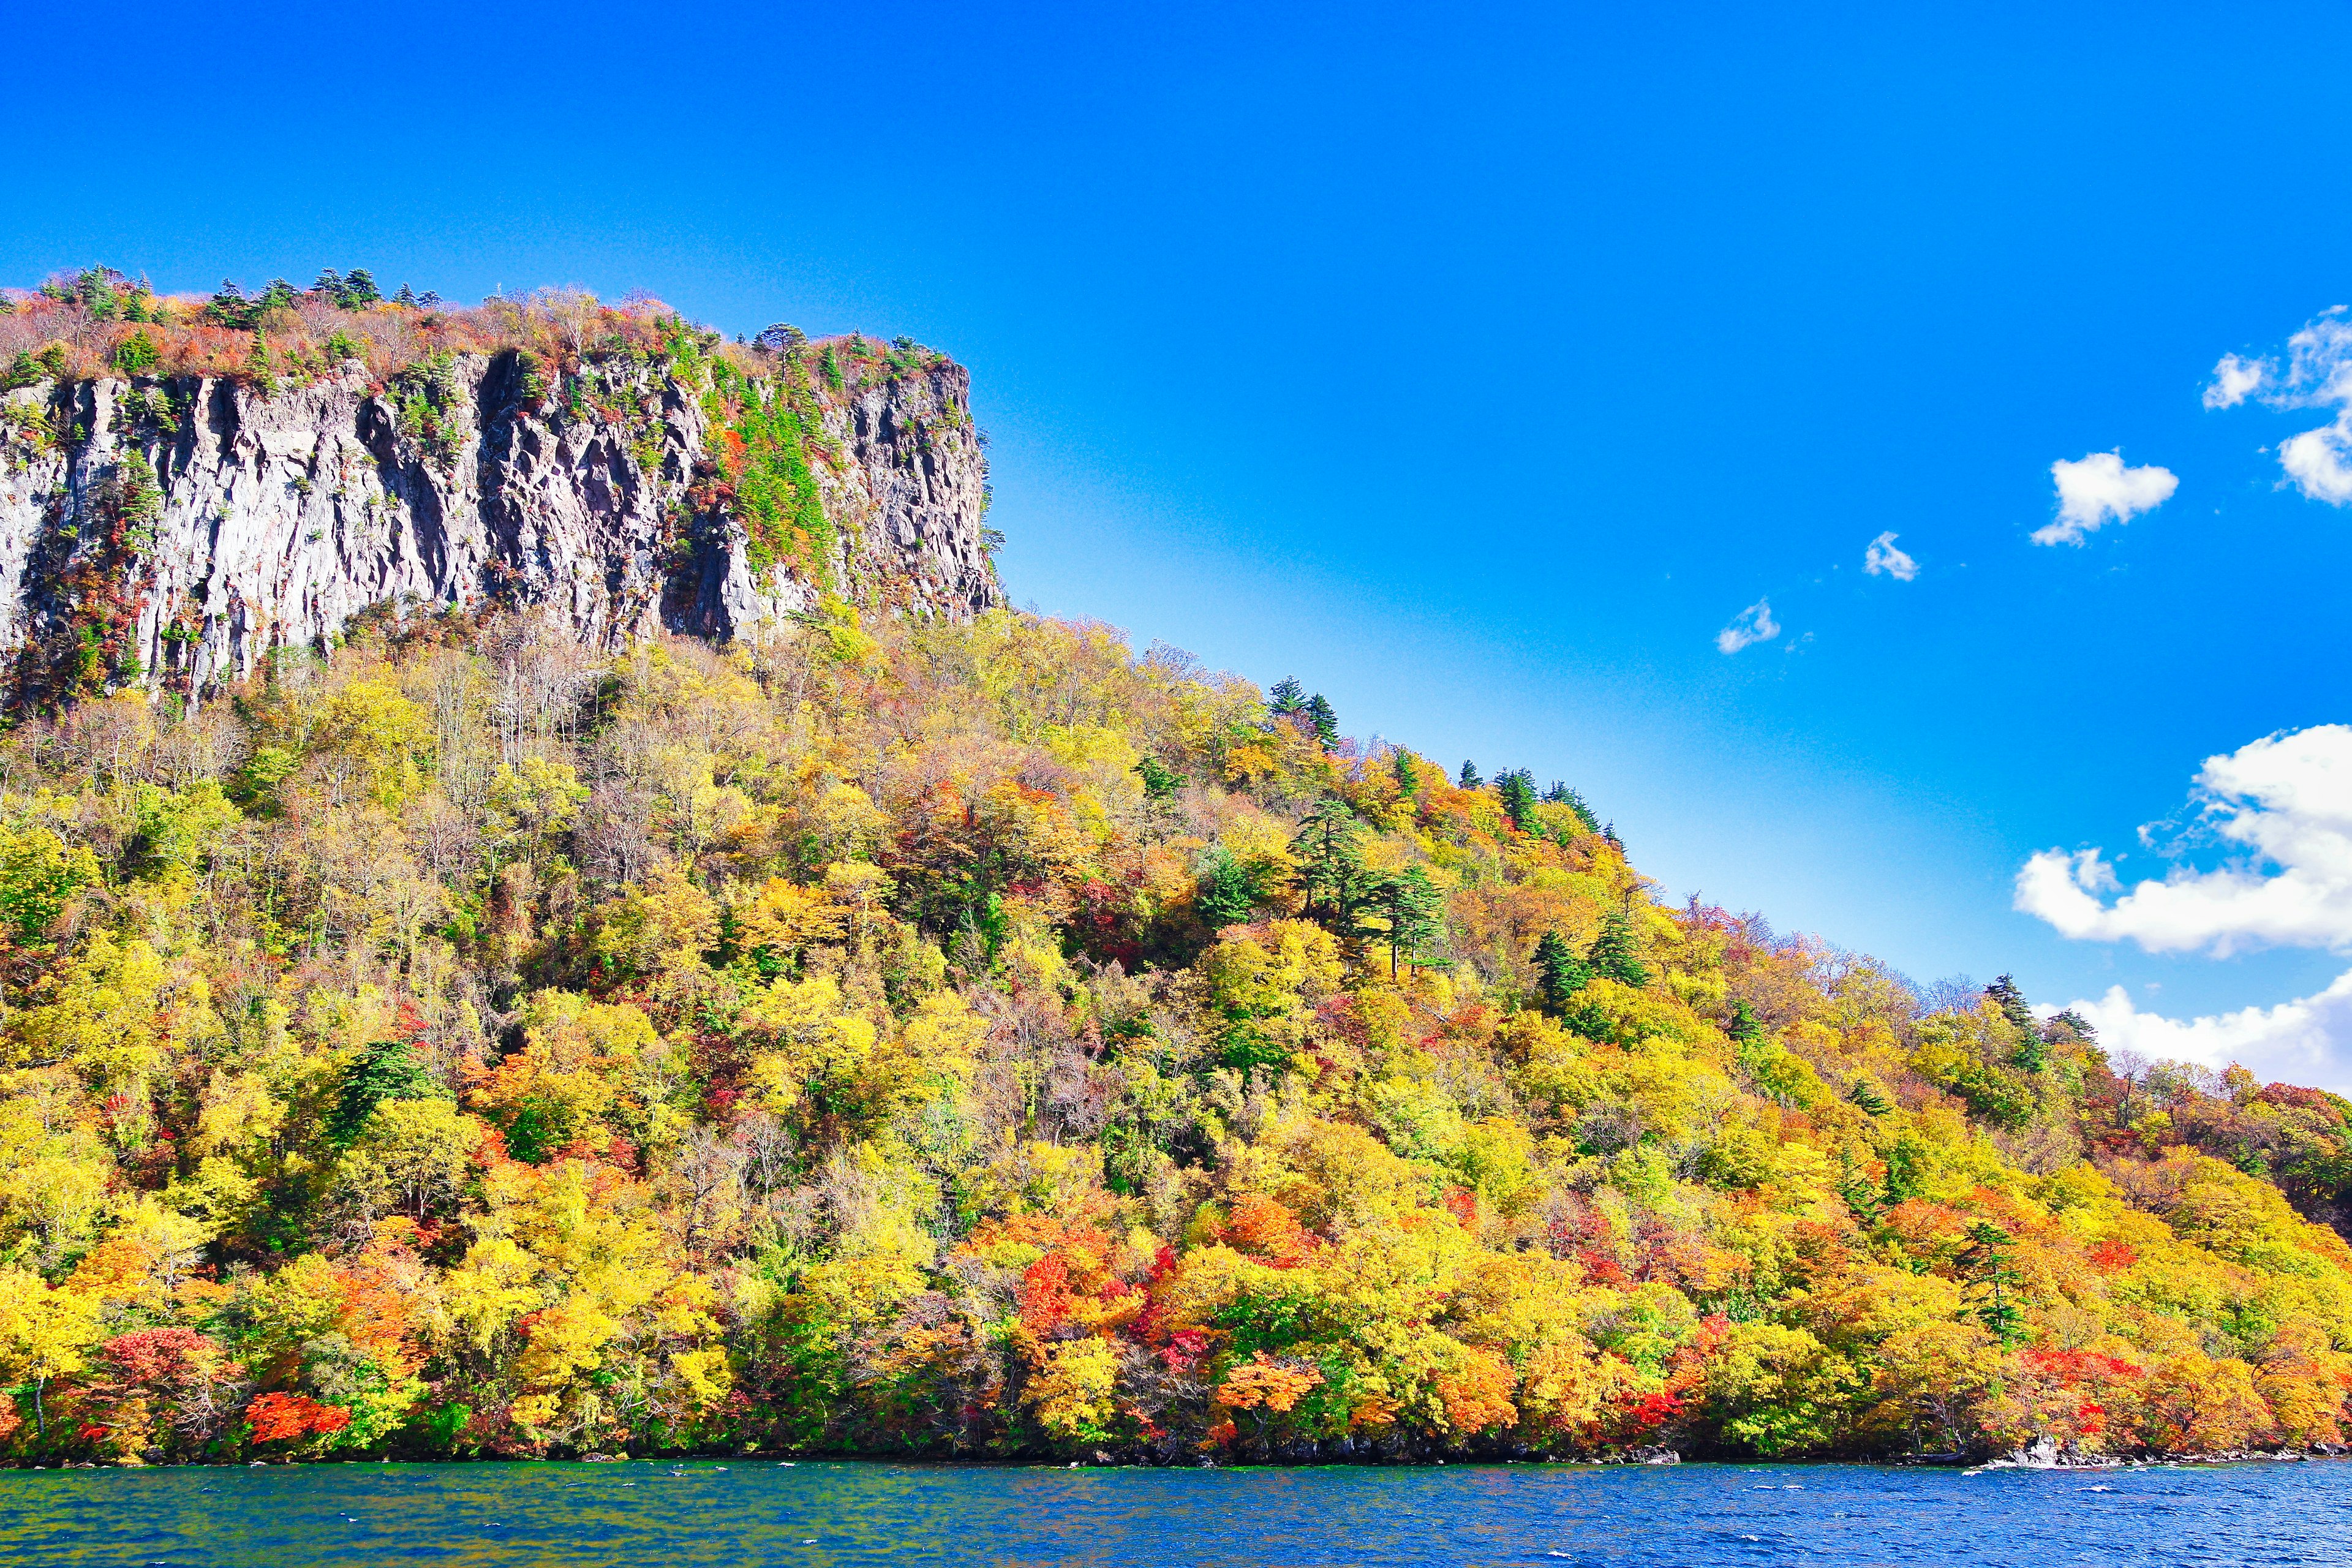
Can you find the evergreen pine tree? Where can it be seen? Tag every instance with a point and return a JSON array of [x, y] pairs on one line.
[[1744, 1030], [407, 296], [330, 283], [1318, 712], [1160, 780], [1518, 792], [1470, 779], [1988, 1272], [1865, 1094], [359, 290], [1559, 974], [1328, 850], [1861, 1193], [1575, 803], [1286, 698], [1610, 834], [1904, 1179], [1408, 777], [1612, 952], [2032, 1054], [386, 1070], [1415, 913], [1229, 893]]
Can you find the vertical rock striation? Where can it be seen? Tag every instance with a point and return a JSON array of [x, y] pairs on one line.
[[173, 531]]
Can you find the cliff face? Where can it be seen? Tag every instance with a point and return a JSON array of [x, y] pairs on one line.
[[172, 532]]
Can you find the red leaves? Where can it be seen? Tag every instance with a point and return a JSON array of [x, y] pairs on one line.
[[160, 1358], [2113, 1257], [283, 1417], [1184, 1349], [1045, 1294]]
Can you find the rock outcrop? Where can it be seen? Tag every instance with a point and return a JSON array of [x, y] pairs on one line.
[[171, 532]]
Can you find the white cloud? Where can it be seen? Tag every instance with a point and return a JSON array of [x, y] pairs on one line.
[[2318, 374], [2098, 489], [2307, 1041], [1751, 626], [2235, 379], [1883, 560], [2316, 460], [2286, 803]]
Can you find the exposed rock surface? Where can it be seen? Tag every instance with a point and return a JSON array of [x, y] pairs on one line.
[[274, 517]]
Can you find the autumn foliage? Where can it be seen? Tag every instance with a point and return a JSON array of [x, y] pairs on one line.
[[903, 1036]]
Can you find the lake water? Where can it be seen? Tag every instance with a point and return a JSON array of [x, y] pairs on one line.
[[815, 1512]]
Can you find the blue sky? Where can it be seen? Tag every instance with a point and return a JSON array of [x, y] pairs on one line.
[[1480, 370]]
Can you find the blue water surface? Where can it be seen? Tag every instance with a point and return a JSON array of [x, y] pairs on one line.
[[750, 1511]]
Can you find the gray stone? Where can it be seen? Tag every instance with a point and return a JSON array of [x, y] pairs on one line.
[[285, 515]]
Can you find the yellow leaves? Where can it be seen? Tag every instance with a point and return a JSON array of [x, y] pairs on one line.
[[1248, 760], [1105, 760], [1498, 1158], [819, 1049], [1476, 1391], [1074, 1397], [412, 1157], [44, 1333], [489, 1289], [666, 925], [1287, 971], [581, 1062], [1260, 1383], [39, 878], [1032, 1176], [539, 799], [143, 1259], [2191, 1403], [786, 918], [2304, 1409], [705, 1376], [947, 1034], [239, 1114], [2247, 1221], [1561, 1387], [105, 1015], [372, 737]]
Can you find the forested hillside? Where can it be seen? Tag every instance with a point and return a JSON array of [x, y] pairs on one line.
[[906, 1036]]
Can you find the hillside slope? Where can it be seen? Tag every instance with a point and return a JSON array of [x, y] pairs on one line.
[[966, 1037]]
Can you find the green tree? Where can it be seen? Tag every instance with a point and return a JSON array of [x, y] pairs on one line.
[[1559, 974], [136, 354], [1160, 780], [1862, 1196], [1518, 792], [2033, 1053], [1319, 713], [1470, 779], [1414, 910], [1408, 777], [359, 290], [1614, 953], [1286, 698], [1989, 1270], [1229, 893], [1328, 848], [388, 1070]]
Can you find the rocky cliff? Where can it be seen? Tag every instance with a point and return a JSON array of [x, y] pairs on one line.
[[170, 531]]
